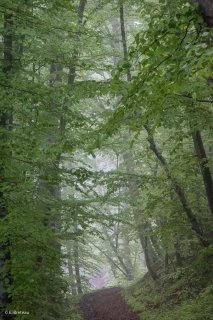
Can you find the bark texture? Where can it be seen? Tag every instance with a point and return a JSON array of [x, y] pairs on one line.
[[204, 167]]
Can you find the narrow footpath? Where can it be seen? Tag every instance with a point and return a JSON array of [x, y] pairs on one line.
[[106, 304]]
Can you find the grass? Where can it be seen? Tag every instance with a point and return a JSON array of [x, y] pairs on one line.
[[186, 294]]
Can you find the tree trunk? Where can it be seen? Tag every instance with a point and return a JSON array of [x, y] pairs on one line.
[[166, 260], [177, 254], [70, 269], [206, 8], [178, 190], [123, 36], [144, 244], [77, 267], [70, 82], [134, 193], [204, 167], [71, 274], [72, 68], [156, 247], [124, 266], [127, 256]]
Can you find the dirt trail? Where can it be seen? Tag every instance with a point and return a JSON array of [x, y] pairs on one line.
[[106, 304]]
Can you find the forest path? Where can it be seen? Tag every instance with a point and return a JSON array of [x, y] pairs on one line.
[[106, 304]]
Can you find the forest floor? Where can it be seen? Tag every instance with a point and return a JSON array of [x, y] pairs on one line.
[[107, 304], [181, 294], [185, 293]]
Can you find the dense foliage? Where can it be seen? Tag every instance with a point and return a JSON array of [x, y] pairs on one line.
[[106, 148]]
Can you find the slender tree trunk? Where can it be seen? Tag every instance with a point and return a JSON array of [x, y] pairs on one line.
[[177, 254], [144, 244], [123, 36], [127, 256], [128, 159], [156, 247], [71, 270], [149, 254], [71, 274], [75, 55], [124, 266], [49, 184], [178, 190], [70, 82], [77, 266], [111, 261], [204, 167], [55, 190], [206, 9], [166, 260]]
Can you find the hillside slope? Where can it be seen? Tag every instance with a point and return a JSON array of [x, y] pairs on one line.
[[183, 294]]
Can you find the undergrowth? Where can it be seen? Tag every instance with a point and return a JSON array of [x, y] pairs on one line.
[[73, 311], [185, 294]]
